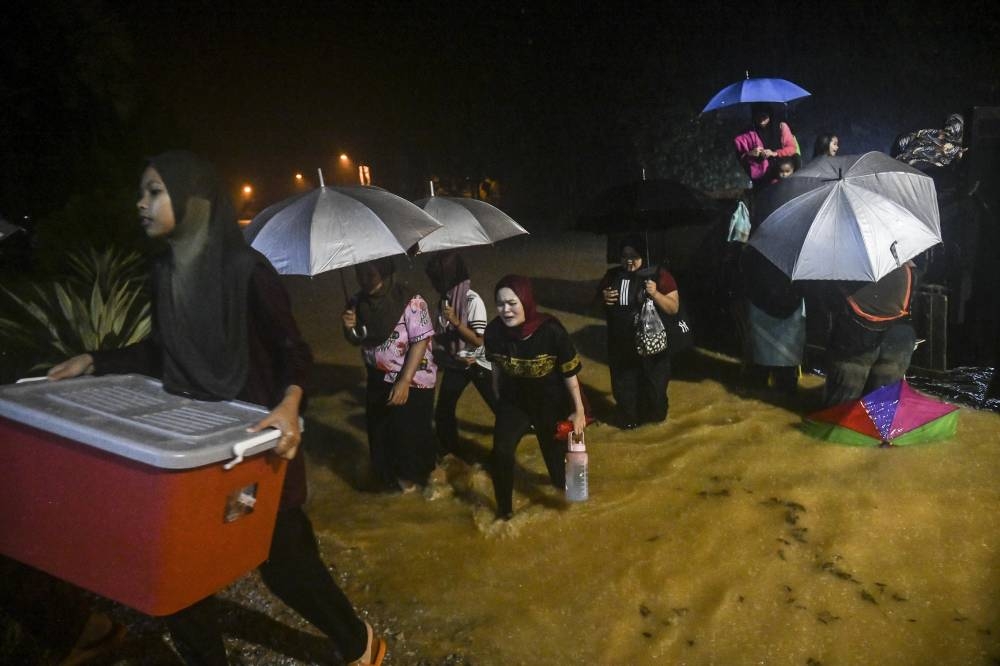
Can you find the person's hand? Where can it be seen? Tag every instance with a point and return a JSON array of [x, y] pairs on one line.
[[770, 153], [73, 367], [448, 313], [610, 296], [579, 421], [650, 287], [350, 319], [399, 393], [757, 151], [284, 417]]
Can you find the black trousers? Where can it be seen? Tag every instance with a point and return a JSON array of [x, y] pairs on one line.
[[512, 423], [451, 385], [860, 360], [639, 386], [295, 573], [400, 438]]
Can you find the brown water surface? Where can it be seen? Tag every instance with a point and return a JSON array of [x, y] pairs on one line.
[[723, 536]]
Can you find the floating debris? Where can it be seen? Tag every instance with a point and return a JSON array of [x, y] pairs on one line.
[[866, 595], [644, 610], [647, 634], [896, 597], [652, 538], [781, 554], [826, 617], [714, 493]]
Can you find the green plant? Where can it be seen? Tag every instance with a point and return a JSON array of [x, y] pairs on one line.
[[102, 305]]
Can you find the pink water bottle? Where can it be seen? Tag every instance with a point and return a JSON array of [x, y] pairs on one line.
[[576, 468]]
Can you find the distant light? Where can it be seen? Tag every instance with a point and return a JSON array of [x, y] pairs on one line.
[[343, 157], [298, 176], [247, 190]]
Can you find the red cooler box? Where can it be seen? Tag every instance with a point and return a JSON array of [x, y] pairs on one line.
[[121, 488]]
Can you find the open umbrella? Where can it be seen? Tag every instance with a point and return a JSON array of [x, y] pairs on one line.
[[851, 217], [893, 415], [337, 227], [466, 222], [674, 217], [750, 90]]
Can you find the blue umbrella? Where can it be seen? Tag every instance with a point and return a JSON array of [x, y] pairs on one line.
[[750, 90]]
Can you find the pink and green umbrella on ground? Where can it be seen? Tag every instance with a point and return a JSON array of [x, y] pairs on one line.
[[893, 415]]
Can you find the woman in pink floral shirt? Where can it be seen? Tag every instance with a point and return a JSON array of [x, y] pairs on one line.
[[392, 325]]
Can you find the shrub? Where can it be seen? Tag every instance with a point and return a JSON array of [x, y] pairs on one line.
[[101, 305]]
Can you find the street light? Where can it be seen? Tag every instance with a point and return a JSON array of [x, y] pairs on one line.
[[247, 191]]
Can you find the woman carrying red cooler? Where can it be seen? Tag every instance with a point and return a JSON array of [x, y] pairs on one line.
[[223, 330]]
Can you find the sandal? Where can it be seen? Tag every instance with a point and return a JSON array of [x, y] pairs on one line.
[[81, 654], [376, 650]]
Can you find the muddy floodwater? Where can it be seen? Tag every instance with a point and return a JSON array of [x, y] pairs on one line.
[[723, 536]]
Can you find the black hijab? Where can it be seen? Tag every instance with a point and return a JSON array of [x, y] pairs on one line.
[[770, 135], [445, 270], [200, 284], [380, 312]]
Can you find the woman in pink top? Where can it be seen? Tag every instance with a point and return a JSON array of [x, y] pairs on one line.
[[393, 327], [767, 139]]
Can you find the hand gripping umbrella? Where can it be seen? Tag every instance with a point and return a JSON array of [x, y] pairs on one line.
[[466, 222], [851, 217]]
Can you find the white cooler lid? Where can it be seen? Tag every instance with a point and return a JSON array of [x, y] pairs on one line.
[[133, 417]]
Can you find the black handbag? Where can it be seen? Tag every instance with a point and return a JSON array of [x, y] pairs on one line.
[[679, 334]]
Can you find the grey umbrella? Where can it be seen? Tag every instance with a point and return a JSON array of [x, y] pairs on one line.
[[467, 222], [337, 227], [851, 217]]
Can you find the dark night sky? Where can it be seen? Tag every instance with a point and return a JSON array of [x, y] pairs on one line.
[[545, 99]]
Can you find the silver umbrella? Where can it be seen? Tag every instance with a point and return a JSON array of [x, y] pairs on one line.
[[467, 222], [851, 217], [337, 227]]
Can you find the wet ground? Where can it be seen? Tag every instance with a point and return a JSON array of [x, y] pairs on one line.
[[723, 536]]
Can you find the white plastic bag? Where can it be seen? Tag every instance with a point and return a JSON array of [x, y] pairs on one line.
[[650, 334]]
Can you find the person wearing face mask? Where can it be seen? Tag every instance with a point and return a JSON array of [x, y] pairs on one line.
[[638, 383], [223, 330], [392, 325], [535, 368]]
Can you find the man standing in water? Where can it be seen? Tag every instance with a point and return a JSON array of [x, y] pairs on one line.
[[872, 338]]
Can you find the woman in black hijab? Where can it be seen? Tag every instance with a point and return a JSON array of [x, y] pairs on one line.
[[392, 325], [638, 383], [223, 329]]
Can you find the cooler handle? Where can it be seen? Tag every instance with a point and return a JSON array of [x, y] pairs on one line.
[[240, 448]]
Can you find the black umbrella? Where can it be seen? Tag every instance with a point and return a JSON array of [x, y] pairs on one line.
[[674, 217]]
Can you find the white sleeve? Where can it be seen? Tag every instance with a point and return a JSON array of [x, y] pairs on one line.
[[475, 312]]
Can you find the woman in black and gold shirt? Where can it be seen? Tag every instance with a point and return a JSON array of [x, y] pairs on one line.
[[535, 369]]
